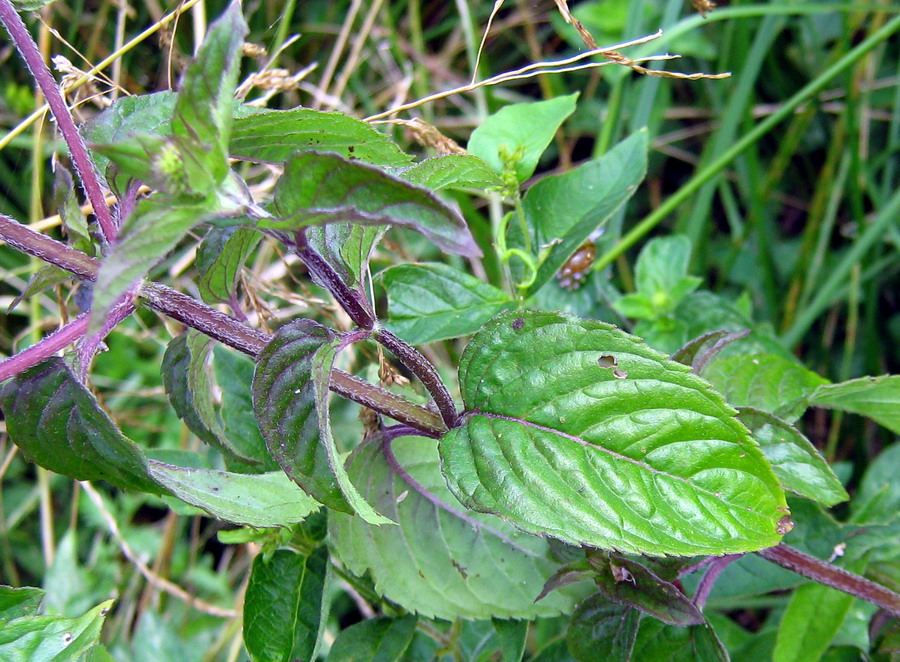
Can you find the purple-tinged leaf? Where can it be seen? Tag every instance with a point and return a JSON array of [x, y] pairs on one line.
[[797, 463], [442, 561], [602, 630], [290, 399], [346, 247], [698, 352], [630, 583], [185, 374], [59, 425], [577, 430], [319, 189]]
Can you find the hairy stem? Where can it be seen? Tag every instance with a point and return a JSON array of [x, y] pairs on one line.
[[833, 576], [195, 315], [45, 81], [349, 299], [45, 348], [421, 368]]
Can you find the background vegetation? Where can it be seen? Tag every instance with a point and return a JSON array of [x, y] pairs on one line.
[[799, 232]]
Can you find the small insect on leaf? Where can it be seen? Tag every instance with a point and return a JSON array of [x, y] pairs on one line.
[[577, 267]]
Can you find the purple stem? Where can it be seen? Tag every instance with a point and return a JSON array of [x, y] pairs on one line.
[[44, 348], [833, 576], [349, 299], [88, 347], [709, 579], [47, 84], [220, 326], [427, 374]]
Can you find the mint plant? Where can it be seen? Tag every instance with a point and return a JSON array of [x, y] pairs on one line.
[[589, 472]]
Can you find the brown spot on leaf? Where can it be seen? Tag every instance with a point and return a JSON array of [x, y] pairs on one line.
[[518, 323]]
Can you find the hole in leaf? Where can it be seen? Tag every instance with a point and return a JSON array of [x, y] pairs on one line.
[[620, 374], [607, 361]]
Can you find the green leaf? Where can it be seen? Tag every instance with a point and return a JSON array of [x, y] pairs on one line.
[[812, 618], [875, 397], [662, 268], [451, 171], [276, 135], [152, 230], [512, 636], [658, 642], [346, 247], [59, 425], [523, 129], [185, 376], [698, 352], [19, 602], [629, 583], [764, 381], [74, 222], [234, 376], [441, 561], [565, 209], [797, 463], [139, 113], [260, 500], [375, 640], [52, 638], [205, 105], [602, 630], [878, 499], [319, 189], [576, 430], [290, 399], [286, 605], [45, 277], [433, 301], [220, 258]]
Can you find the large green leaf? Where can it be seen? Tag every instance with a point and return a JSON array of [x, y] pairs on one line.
[[285, 606], [658, 642], [797, 463], [451, 171], [764, 381], [434, 301], [564, 210], [59, 425], [260, 500], [441, 561], [875, 397], [522, 131], [374, 640], [220, 258], [318, 189], [513, 636], [52, 638], [603, 630], [276, 135], [290, 399], [577, 430]]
